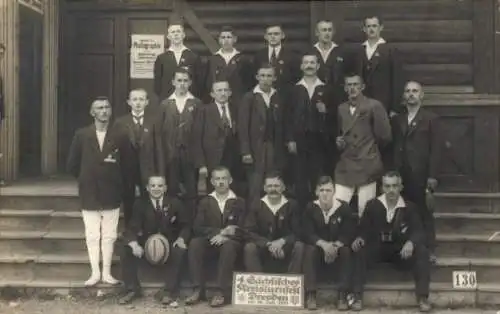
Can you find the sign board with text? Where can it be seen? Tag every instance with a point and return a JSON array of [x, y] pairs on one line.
[[464, 280], [262, 289], [143, 52]]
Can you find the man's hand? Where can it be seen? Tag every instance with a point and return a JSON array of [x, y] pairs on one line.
[[203, 171], [276, 248], [180, 243], [330, 252], [137, 250], [321, 107], [357, 244], [247, 159], [218, 240], [292, 147], [228, 231], [407, 250], [432, 184], [340, 141]]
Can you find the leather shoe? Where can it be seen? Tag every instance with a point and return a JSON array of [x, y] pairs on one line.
[[217, 301], [311, 304], [357, 305], [342, 305], [129, 297], [194, 298], [424, 306]]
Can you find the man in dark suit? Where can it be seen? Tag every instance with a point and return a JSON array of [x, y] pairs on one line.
[[215, 137], [329, 228], [177, 55], [156, 213], [217, 230], [331, 59], [96, 159], [283, 59], [390, 231], [380, 66], [311, 117], [140, 127], [261, 130], [230, 65], [416, 142], [178, 113], [273, 223]]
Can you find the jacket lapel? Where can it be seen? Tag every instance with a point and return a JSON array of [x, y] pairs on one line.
[[214, 112], [415, 123], [227, 212], [260, 106], [375, 60], [403, 123]]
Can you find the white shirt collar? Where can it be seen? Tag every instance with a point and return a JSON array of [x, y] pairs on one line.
[[379, 41], [391, 212], [174, 97], [154, 201], [230, 196], [317, 83], [335, 206], [270, 50], [258, 90], [334, 45], [274, 207], [227, 56], [140, 115], [181, 50]]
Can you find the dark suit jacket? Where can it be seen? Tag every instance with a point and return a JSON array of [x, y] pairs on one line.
[[173, 221], [264, 226], [210, 138], [209, 220], [252, 125], [165, 67], [173, 129], [418, 144], [99, 173], [332, 73], [341, 225], [406, 224], [144, 156], [287, 67], [237, 73], [383, 75]]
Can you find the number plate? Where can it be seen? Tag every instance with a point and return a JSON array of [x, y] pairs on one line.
[[464, 280]]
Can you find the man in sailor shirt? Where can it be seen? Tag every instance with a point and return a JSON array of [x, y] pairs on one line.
[[391, 231]]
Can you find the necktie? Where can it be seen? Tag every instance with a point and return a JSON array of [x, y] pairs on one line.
[[274, 58], [137, 120], [157, 205], [225, 118]]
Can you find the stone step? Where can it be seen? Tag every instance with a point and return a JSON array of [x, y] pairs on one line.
[[465, 202], [467, 223], [74, 267], [377, 295]]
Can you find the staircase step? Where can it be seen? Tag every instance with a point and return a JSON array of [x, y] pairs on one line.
[[469, 246], [467, 223], [466, 202]]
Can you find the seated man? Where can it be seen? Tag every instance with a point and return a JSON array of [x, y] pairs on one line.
[[272, 223], [155, 214], [391, 231], [217, 230], [329, 228]]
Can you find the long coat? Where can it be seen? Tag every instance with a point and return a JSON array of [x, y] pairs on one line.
[[99, 173], [360, 161]]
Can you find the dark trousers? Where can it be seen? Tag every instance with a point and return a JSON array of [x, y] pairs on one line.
[[132, 179], [170, 272], [180, 170], [262, 164], [254, 257], [309, 164], [415, 191], [201, 250], [371, 254], [314, 262]]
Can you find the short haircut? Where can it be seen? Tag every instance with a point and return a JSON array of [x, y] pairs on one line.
[[325, 21], [157, 176], [324, 180], [373, 16], [266, 65], [392, 174], [176, 24], [220, 168], [413, 82], [227, 29], [309, 54], [268, 26], [354, 74], [182, 70], [139, 89], [273, 175], [221, 79]]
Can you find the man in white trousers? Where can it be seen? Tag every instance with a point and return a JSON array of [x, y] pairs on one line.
[[95, 160], [364, 129]]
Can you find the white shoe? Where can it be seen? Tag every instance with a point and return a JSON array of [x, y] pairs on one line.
[[93, 280], [110, 279]]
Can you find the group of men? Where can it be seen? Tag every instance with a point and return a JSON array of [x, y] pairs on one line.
[[280, 123]]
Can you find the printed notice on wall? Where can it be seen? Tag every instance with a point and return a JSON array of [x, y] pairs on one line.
[[260, 289], [143, 52]]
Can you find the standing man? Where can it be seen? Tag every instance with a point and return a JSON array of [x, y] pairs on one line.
[[261, 130], [2, 104], [215, 137], [313, 129], [273, 223], [284, 60], [217, 231], [416, 155], [380, 66], [144, 157], [391, 231], [364, 130], [331, 60], [329, 228], [230, 65], [96, 160], [179, 112], [153, 214], [177, 55]]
